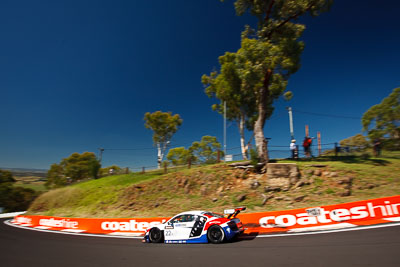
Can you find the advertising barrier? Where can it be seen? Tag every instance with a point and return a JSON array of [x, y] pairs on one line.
[[368, 212]]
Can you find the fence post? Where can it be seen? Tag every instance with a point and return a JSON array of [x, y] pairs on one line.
[[189, 162], [143, 170], [218, 156], [319, 143], [165, 167]]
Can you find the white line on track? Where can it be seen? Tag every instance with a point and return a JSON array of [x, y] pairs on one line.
[[73, 230], [42, 227], [335, 230], [259, 236]]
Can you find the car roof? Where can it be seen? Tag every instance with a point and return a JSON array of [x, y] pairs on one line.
[[194, 212]]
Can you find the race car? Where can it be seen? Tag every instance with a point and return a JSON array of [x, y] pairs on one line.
[[197, 227]]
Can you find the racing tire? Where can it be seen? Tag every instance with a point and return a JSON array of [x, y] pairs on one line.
[[156, 235], [215, 234]]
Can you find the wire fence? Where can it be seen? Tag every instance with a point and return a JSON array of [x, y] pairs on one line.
[[235, 154]]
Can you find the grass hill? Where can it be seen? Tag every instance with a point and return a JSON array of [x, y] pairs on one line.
[[326, 180]]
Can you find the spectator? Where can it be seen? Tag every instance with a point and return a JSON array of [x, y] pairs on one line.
[[377, 147], [293, 149], [306, 146], [309, 140]]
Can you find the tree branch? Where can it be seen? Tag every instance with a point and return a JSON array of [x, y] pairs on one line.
[[269, 11], [294, 16]]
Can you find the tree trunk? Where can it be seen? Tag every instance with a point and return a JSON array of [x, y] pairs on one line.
[[159, 155], [261, 143], [263, 99], [242, 138]]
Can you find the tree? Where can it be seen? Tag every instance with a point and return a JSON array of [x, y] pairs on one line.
[[228, 87], [6, 178], [383, 120], [20, 198], [180, 156], [357, 142], [271, 53], [55, 176], [80, 166], [75, 167], [164, 126], [14, 198], [94, 167], [206, 151]]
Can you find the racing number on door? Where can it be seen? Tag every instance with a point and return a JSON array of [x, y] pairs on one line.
[[168, 233]]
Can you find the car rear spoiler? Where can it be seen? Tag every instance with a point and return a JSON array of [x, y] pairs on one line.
[[232, 213]]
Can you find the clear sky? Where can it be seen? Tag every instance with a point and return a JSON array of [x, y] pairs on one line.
[[79, 75]]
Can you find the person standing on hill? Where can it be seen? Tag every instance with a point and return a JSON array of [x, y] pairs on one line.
[[307, 146], [377, 147], [293, 149]]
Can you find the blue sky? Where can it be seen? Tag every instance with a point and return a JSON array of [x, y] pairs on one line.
[[79, 75]]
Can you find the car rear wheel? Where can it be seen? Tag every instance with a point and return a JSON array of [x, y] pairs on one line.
[[156, 235], [215, 234]]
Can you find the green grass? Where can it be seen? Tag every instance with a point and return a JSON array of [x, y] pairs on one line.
[[37, 187], [216, 187], [31, 182]]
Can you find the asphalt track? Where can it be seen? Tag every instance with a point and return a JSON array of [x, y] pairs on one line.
[[372, 247]]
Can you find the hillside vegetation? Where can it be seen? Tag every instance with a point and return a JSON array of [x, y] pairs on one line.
[[323, 181]]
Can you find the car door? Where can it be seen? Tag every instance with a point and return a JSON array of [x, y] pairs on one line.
[[198, 226], [179, 227]]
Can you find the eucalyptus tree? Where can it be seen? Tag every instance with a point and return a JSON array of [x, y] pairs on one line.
[[164, 126], [383, 119], [227, 86], [206, 151], [180, 156], [270, 53]]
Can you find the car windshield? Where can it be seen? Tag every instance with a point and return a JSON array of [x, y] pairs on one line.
[[212, 214]]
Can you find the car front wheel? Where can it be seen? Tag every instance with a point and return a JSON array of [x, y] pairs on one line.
[[215, 234], [156, 235]]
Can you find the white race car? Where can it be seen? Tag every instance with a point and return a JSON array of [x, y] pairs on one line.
[[197, 227]]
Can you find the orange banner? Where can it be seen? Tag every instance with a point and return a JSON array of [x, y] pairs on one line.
[[374, 211], [380, 210]]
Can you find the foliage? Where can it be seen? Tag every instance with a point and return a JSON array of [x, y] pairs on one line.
[[383, 120], [179, 156], [6, 178], [74, 168], [94, 167], [357, 142], [14, 198], [55, 176], [164, 125], [228, 87], [254, 159], [271, 53], [206, 151], [80, 166]]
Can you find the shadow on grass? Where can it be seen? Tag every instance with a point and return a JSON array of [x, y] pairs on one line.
[[346, 159]]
